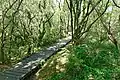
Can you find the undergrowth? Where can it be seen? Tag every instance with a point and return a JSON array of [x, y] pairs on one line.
[[91, 61]]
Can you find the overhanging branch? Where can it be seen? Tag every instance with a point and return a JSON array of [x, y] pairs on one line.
[[96, 18], [115, 4]]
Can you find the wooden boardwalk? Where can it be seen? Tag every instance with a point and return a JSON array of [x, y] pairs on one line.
[[30, 65]]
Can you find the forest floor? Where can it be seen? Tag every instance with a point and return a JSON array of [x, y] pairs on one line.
[[54, 65]]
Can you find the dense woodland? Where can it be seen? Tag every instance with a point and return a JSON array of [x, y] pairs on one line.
[[26, 26]]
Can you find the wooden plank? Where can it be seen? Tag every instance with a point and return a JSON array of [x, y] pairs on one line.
[[15, 73], [19, 70], [7, 78], [4, 76]]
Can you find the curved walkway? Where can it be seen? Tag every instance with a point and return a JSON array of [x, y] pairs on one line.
[[30, 65]]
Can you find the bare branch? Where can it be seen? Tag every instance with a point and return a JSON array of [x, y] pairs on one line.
[[96, 18], [115, 4], [68, 4]]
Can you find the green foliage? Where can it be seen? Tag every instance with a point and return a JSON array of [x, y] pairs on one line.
[[89, 62], [57, 76], [99, 63], [50, 37], [26, 26]]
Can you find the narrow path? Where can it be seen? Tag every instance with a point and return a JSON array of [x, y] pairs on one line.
[[30, 65]]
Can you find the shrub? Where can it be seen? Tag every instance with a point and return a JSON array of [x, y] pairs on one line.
[[88, 62]]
